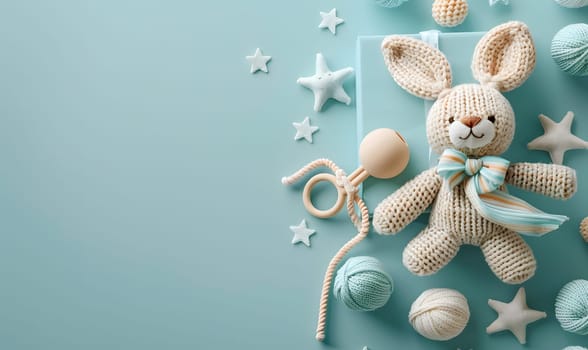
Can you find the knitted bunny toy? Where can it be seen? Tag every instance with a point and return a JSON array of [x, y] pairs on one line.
[[470, 125]]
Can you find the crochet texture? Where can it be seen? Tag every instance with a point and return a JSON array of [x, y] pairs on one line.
[[503, 60]]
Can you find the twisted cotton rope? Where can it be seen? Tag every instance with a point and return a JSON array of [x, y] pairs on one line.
[[363, 226], [571, 307]]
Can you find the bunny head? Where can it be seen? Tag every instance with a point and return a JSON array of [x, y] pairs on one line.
[[475, 119]]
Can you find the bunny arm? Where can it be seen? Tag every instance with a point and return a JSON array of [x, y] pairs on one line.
[[556, 181], [408, 202]]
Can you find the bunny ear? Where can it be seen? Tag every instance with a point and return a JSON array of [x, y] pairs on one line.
[[505, 56], [417, 67]]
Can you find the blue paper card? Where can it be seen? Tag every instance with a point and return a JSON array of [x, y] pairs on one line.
[[381, 103]]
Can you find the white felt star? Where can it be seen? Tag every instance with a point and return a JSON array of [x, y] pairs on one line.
[[258, 61], [514, 316], [302, 233], [305, 130], [326, 84], [494, 2], [330, 20], [558, 138]]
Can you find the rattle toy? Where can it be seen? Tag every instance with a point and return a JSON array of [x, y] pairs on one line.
[[584, 229], [383, 154]]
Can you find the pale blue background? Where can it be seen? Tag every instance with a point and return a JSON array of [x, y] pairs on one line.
[[140, 202]]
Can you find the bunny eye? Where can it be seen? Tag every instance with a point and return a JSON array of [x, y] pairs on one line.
[[451, 120], [492, 119]]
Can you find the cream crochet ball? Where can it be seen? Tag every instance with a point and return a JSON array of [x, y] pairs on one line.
[[439, 314], [450, 13], [584, 229]]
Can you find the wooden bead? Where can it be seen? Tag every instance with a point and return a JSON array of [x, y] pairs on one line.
[[384, 153]]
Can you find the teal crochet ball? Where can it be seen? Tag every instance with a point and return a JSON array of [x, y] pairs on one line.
[[574, 348], [569, 49], [362, 284], [390, 3], [571, 307], [572, 3]]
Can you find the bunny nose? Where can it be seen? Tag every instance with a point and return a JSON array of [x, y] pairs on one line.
[[470, 121]]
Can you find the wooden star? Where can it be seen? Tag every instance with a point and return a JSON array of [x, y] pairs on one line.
[[558, 138], [514, 316]]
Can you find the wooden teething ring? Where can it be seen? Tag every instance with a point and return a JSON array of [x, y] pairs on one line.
[[307, 200]]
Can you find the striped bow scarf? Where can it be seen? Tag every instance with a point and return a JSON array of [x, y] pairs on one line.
[[482, 179]]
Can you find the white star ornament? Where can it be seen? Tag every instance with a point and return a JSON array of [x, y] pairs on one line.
[[302, 233], [304, 130], [326, 84], [330, 20], [258, 61]]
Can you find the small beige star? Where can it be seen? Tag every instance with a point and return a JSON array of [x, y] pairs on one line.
[[514, 316], [558, 138]]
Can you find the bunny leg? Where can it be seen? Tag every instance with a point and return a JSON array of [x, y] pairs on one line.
[[428, 252], [509, 257]]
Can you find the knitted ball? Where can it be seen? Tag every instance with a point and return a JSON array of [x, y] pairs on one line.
[[569, 49], [390, 3], [450, 13], [439, 314], [584, 229], [572, 3], [574, 348], [362, 284], [571, 307]]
